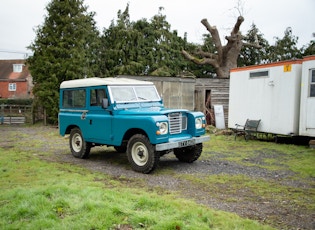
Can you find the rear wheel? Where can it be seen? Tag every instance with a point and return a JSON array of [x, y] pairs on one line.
[[188, 154], [141, 154], [78, 146]]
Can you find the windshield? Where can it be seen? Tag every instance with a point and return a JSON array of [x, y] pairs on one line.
[[122, 94]]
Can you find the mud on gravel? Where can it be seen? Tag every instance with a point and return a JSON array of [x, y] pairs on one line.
[[171, 174]]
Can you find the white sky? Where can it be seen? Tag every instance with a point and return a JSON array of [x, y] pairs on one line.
[[18, 18]]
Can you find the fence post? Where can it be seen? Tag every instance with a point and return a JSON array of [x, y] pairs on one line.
[[45, 118], [2, 114]]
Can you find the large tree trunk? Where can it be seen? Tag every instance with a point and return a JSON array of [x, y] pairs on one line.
[[226, 56]]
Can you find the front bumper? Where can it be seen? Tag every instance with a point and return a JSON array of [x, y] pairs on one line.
[[181, 144]]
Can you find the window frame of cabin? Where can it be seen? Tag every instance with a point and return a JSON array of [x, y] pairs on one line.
[[312, 83], [259, 74]]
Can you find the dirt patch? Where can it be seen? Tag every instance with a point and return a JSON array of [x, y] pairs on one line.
[[171, 176]]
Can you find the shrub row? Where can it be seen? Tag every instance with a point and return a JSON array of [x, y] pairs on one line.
[[16, 101]]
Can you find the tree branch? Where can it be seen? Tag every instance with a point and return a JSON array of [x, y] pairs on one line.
[[203, 61], [206, 54], [235, 35], [237, 25], [215, 35]]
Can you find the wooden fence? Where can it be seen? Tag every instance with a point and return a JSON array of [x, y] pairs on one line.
[[16, 114]]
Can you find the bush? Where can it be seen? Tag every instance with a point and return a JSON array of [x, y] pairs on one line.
[[16, 101]]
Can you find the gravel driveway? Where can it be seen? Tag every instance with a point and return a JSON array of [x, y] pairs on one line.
[[171, 174]]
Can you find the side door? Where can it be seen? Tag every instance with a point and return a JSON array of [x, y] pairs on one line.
[[98, 120]]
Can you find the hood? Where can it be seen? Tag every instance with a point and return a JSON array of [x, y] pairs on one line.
[[149, 111]]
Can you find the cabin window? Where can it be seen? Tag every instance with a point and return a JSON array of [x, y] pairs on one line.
[[74, 98], [312, 83], [12, 87], [257, 74]]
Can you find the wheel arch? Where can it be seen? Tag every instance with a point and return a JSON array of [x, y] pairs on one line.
[[132, 132], [68, 129]]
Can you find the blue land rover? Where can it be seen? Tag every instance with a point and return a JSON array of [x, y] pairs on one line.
[[128, 115]]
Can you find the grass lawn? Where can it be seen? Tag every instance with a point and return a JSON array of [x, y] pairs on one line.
[[38, 194]]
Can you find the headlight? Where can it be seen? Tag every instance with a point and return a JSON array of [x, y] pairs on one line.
[[198, 123], [163, 128]]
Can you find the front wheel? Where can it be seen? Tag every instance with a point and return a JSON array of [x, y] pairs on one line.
[[78, 146], [188, 154], [141, 154]]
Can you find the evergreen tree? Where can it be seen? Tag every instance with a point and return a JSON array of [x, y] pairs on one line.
[[65, 48], [309, 49], [120, 47], [250, 55], [142, 47], [167, 59], [285, 48]]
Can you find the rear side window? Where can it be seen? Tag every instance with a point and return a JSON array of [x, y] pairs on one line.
[[74, 98]]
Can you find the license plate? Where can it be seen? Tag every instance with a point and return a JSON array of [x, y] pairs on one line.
[[186, 143]]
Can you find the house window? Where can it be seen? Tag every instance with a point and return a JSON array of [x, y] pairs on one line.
[[312, 83], [12, 86], [17, 68], [264, 73]]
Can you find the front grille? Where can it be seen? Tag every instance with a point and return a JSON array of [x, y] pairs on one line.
[[175, 122]]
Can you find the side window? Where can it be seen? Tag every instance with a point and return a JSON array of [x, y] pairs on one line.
[[74, 98], [259, 74], [312, 83], [96, 97]]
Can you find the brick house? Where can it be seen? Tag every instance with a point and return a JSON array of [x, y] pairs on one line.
[[15, 79]]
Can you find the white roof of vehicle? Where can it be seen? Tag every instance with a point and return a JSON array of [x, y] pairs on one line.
[[96, 81]]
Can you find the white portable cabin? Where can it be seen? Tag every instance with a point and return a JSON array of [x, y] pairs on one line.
[[272, 93], [307, 111]]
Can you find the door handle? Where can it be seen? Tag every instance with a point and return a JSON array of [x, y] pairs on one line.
[[83, 116]]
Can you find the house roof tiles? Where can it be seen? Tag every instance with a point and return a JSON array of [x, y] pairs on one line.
[[6, 70]]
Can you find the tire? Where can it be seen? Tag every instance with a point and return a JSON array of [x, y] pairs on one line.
[[141, 154], [188, 154], [78, 146]]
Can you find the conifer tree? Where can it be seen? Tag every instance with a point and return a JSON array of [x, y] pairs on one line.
[[250, 55], [142, 47], [285, 48], [65, 48]]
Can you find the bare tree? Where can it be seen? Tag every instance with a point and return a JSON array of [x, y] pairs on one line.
[[225, 56]]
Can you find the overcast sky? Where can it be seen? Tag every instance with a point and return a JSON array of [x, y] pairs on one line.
[[19, 18]]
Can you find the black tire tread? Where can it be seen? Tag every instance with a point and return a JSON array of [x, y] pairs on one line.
[[153, 155], [85, 151]]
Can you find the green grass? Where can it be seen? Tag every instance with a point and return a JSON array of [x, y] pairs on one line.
[[36, 194], [44, 194], [268, 155], [244, 188]]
